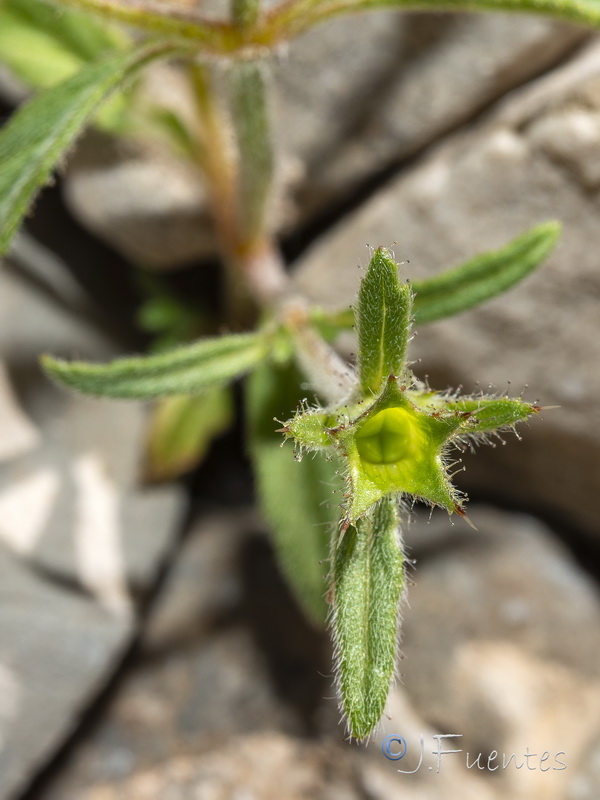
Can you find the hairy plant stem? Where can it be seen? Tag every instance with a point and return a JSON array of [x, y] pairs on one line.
[[255, 277], [245, 12], [217, 161], [331, 378]]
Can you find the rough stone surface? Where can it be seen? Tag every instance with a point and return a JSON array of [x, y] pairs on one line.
[[57, 650], [148, 204], [475, 193], [209, 670], [388, 85], [87, 518], [500, 645], [381, 97], [268, 766], [77, 536]]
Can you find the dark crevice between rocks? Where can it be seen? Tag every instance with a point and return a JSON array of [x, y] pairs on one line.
[[103, 274], [83, 308], [61, 580]]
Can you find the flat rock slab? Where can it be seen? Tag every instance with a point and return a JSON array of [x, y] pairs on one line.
[[534, 158], [79, 539], [58, 649], [389, 84]]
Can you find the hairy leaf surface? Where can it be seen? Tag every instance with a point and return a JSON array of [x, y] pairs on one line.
[[40, 134], [368, 579], [382, 321], [187, 369], [483, 277]]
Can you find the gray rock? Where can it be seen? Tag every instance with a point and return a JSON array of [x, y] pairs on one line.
[[78, 536], [389, 85], [475, 193], [351, 96], [87, 519], [501, 645], [57, 650], [204, 584], [268, 766], [201, 680], [18, 434], [584, 784], [144, 201]]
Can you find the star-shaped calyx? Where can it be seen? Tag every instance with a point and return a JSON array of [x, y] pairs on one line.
[[394, 435]]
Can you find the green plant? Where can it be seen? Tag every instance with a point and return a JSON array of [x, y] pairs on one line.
[[383, 434]]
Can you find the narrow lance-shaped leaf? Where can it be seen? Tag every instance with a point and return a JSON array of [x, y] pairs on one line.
[[467, 285], [484, 276], [42, 46], [383, 322], [484, 414], [42, 131], [298, 500], [182, 429], [184, 370], [249, 105], [367, 581], [309, 429]]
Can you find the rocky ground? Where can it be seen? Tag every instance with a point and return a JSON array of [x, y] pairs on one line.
[[148, 647]]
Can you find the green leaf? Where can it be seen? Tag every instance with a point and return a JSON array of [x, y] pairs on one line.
[[169, 125], [383, 322], [42, 45], [310, 429], [184, 370], [39, 135], [484, 414], [462, 287], [182, 429], [249, 105], [484, 276], [168, 319], [367, 582], [297, 498]]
